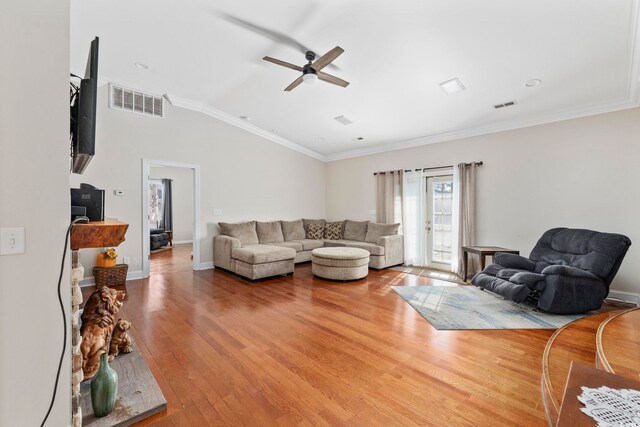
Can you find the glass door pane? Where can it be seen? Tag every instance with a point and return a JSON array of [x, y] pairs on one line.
[[439, 220]]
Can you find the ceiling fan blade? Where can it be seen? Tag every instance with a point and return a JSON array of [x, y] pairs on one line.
[[283, 63], [327, 58], [266, 32], [332, 79], [293, 85]]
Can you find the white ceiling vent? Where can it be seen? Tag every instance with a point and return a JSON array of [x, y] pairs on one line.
[[342, 119], [122, 98], [506, 104]]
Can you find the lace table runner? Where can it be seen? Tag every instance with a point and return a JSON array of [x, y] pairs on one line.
[[611, 407]]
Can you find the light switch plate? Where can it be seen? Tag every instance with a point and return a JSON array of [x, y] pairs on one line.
[[217, 211], [12, 241], [118, 192]]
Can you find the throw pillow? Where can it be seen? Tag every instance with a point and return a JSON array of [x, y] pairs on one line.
[[333, 230], [245, 232], [269, 232], [355, 230], [308, 222], [376, 230], [293, 230], [315, 231]]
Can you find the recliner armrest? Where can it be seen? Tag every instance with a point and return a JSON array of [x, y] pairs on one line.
[[531, 280], [565, 270], [514, 261]]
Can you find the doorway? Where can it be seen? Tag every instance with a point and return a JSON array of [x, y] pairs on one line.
[[439, 221], [170, 213]]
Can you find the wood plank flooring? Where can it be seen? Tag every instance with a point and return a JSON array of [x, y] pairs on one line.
[[303, 351]]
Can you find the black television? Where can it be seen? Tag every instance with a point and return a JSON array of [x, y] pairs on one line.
[[83, 114]]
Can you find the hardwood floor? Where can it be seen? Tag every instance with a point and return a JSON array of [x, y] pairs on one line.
[[303, 351]]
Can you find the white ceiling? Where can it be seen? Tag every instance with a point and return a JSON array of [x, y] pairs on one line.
[[396, 53]]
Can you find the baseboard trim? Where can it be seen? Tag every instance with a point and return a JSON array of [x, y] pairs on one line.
[[181, 242], [131, 275], [205, 266], [630, 297]]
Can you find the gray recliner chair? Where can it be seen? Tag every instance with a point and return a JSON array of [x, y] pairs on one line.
[[568, 271]]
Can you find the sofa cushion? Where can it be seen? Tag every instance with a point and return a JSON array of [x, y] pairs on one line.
[[309, 244], [269, 232], [308, 222], [260, 254], [244, 231], [372, 248], [376, 230], [333, 230], [335, 243], [315, 231], [293, 245], [355, 230], [293, 230]]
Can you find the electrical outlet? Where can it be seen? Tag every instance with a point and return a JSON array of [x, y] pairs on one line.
[[12, 241], [126, 260], [217, 212]]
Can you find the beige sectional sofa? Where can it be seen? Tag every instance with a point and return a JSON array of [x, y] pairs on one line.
[[262, 249]]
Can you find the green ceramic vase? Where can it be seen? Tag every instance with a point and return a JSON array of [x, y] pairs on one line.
[[104, 388]]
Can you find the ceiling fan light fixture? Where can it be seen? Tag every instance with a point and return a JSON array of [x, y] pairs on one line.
[[310, 77]]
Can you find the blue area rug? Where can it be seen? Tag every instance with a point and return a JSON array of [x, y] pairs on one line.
[[468, 307]]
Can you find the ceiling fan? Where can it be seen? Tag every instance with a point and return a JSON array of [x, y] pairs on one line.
[[311, 71]]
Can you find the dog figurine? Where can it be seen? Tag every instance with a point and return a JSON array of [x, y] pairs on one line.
[[120, 339], [98, 320]]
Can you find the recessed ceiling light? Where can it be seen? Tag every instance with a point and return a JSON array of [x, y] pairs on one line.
[[532, 83], [141, 65], [452, 86], [320, 138], [358, 139]]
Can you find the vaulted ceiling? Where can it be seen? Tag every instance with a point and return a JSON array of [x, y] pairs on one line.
[[396, 54]]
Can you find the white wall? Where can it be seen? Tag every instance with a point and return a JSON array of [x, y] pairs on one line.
[[34, 193], [579, 173], [182, 195], [244, 175]]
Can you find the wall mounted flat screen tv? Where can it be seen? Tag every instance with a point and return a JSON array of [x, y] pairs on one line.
[[83, 114]]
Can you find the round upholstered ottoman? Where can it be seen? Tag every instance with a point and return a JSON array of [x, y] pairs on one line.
[[338, 263]]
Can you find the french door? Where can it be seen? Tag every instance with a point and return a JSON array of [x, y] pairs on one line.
[[439, 221]]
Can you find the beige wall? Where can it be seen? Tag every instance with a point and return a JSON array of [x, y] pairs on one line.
[[182, 190], [244, 175], [578, 173], [34, 193]]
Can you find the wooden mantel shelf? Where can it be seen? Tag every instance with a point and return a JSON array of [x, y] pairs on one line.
[[98, 234]]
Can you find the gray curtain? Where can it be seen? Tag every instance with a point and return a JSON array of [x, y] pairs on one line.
[[167, 212], [467, 215], [389, 197]]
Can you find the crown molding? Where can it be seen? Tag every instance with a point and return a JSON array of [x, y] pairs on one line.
[[201, 107], [484, 130]]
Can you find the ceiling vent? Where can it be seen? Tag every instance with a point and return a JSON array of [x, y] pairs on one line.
[[506, 104], [342, 119], [121, 98], [358, 139]]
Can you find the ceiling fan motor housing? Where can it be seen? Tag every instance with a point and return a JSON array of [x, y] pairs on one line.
[[308, 69]]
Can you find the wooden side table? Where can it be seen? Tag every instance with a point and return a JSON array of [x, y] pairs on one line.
[[170, 234], [482, 251]]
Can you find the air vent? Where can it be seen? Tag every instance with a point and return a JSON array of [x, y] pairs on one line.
[[342, 119], [358, 139], [506, 104], [122, 98]]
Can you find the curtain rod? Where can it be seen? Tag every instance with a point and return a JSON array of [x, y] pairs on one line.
[[480, 163]]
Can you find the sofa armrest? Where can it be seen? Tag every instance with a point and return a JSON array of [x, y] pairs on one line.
[[565, 270], [222, 247], [514, 261], [393, 249]]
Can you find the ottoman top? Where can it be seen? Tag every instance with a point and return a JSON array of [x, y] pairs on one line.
[[340, 253]]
